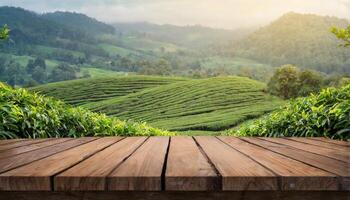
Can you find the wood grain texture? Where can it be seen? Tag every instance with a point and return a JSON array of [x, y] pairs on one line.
[[31, 147], [134, 195], [237, 170], [36, 175], [91, 173], [337, 167], [3, 142], [295, 175], [337, 142], [141, 165], [331, 165], [188, 169], [12, 162], [321, 144], [142, 171], [22, 143], [332, 153]]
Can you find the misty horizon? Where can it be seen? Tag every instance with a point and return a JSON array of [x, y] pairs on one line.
[[227, 15]]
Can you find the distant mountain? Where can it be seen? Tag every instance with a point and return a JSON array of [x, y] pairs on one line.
[[189, 36], [29, 27], [301, 39], [81, 22]]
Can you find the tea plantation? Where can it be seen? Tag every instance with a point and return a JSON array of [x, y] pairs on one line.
[[29, 115], [78, 92], [212, 104]]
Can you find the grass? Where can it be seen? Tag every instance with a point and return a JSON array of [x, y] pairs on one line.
[[101, 73], [49, 50], [149, 45], [23, 60], [230, 62], [211, 104], [82, 91], [115, 50]]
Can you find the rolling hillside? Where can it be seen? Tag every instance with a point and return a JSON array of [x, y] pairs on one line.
[[304, 40], [28, 115], [205, 104], [82, 91]]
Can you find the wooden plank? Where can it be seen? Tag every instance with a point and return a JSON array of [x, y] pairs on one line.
[[91, 173], [3, 142], [320, 144], [143, 170], [22, 143], [31, 147], [331, 165], [334, 166], [188, 169], [36, 176], [337, 142], [295, 175], [9, 163], [166, 195], [237, 170], [339, 155]]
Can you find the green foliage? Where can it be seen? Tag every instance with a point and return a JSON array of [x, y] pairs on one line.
[[342, 34], [202, 104], [29, 115], [63, 72], [300, 39], [284, 82], [289, 81], [4, 33], [326, 114]]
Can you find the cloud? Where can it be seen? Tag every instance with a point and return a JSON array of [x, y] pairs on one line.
[[215, 13]]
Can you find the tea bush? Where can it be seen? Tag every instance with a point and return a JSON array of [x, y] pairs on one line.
[[29, 115], [325, 114]]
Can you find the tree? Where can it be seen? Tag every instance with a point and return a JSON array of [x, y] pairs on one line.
[[284, 82], [3, 61], [32, 64], [309, 81], [15, 74], [63, 72], [39, 74], [342, 34], [4, 32], [289, 81]]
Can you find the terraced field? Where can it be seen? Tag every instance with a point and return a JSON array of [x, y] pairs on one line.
[[205, 104], [82, 91]]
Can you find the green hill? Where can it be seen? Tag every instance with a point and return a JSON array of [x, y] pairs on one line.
[[82, 91], [206, 104], [80, 22], [304, 40], [28, 115]]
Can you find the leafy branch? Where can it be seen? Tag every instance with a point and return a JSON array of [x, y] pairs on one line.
[[4, 32], [342, 34]]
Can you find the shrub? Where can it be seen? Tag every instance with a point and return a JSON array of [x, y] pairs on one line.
[[325, 114], [29, 115]]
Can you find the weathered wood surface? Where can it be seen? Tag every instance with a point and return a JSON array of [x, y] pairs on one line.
[[166, 195], [188, 169], [169, 166]]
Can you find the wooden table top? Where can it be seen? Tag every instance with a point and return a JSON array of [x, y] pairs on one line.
[[180, 163]]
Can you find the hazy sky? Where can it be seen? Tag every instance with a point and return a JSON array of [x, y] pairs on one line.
[[214, 13]]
